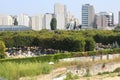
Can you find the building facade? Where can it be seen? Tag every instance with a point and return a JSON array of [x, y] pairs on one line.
[[6, 19], [88, 16], [38, 22], [60, 15], [104, 20], [24, 20], [119, 18], [47, 20]]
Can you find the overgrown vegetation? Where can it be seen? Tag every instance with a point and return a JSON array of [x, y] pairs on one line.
[[13, 71], [2, 50], [70, 76]]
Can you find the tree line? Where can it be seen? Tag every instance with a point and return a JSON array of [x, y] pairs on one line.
[[62, 40]]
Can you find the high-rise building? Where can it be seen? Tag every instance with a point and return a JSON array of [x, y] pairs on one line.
[[119, 18], [23, 19], [104, 19], [60, 15], [47, 19], [38, 22], [101, 21], [88, 16], [6, 19]]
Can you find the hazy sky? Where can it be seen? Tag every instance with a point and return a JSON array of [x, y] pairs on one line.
[[32, 7]]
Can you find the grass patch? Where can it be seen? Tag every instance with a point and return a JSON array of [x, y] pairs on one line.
[[13, 71], [70, 76], [103, 73]]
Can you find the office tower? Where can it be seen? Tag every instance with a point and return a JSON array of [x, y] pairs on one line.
[[60, 15], [47, 20], [38, 22], [6, 19], [87, 16], [104, 19], [23, 19]]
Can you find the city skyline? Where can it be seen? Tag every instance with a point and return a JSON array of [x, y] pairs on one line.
[[47, 6]]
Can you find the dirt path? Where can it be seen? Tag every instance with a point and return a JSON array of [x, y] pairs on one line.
[[54, 73]]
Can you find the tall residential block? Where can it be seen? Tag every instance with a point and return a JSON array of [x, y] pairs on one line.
[[60, 15], [104, 20], [88, 16], [38, 22], [6, 19], [24, 20], [47, 20]]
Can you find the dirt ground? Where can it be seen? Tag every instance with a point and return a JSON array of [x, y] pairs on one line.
[[110, 76]]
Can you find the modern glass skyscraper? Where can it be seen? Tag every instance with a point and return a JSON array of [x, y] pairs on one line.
[[60, 15], [87, 16]]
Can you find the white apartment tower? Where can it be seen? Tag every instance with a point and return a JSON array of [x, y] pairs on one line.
[[47, 19], [60, 15], [24, 20], [87, 16], [6, 19], [37, 22]]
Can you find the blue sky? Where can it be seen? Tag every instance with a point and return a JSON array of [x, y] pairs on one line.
[[32, 7]]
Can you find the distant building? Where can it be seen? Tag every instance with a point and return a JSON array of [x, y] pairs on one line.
[[88, 16], [119, 18], [104, 20], [71, 22], [60, 15], [38, 22], [6, 19], [47, 19], [23, 19], [13, 28]]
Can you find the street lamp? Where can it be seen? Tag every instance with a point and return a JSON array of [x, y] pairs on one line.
[[51, 63]]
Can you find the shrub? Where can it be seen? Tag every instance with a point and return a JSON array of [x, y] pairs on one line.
[[2, 50], [117, 70]]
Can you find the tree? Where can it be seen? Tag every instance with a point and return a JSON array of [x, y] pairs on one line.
[[90, 44], [15, 22], [2, 49], [53, 23]]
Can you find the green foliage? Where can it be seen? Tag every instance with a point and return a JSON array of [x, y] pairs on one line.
[[117, 70], [61, 40], [70, 76], [13, 71], [90, 44], [53, 24], [2, 50], [103, 73]]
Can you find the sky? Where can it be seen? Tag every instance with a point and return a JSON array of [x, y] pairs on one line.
[[32, 7]]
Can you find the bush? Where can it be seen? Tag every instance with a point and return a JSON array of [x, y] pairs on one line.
[[2, 50], [70, 76], [117, 70]]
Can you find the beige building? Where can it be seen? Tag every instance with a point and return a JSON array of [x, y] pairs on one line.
[[6, 19], [60, 15], [38, 22], [101, 21], [24, 20], [104, 20]]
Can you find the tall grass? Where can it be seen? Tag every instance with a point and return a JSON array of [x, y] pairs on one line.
[[13, 71]]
